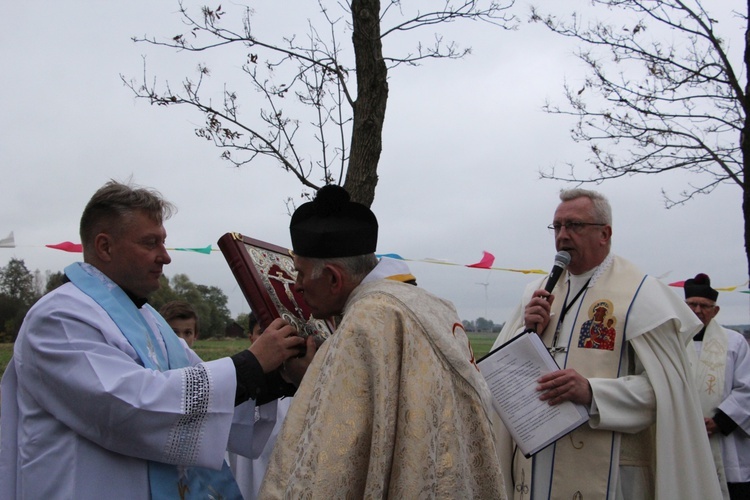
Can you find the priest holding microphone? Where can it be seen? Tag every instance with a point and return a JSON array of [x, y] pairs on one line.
[[619, 337]]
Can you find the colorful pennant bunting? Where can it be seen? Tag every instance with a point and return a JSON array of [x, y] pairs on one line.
[[486, 262], [681, 284]]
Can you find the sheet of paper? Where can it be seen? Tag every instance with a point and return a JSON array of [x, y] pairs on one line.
[[511, 373]]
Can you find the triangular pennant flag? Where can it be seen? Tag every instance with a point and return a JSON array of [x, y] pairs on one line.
[[487, 260], [67, 246], [390, 256], [205, 250], [8, 242], [678, 284], [731, 288]]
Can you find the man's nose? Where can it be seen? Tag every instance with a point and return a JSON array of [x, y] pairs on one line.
[[163, 256]]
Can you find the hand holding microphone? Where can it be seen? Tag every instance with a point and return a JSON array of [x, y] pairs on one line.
[[537, 311]]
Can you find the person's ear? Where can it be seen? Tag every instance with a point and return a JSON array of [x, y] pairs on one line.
[[103, 247], [334, 277]]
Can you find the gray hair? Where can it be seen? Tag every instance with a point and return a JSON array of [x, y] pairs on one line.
[[602, 208], [114, 202], [357, 267]]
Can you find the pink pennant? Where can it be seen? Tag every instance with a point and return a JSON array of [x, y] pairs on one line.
[[487, 260], [67, 246], [679, 284]]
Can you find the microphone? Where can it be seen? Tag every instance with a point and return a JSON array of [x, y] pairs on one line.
[[562, 259]]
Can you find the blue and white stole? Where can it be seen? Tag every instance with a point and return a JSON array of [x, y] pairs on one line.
[[167, 481]]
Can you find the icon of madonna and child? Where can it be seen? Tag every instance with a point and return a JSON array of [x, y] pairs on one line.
[[598, 332]]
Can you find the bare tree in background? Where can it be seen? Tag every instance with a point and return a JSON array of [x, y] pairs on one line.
[[672, 95], [306, 82]]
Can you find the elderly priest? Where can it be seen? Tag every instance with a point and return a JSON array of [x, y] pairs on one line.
[[392, 404]]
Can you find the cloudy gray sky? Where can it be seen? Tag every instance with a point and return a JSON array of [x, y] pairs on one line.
[[464, 141]]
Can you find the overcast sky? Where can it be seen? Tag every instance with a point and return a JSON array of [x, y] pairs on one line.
[[463, 145]]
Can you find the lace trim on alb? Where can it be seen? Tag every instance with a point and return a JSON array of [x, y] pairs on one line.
[[185, 437]]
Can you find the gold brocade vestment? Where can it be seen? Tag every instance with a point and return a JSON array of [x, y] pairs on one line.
[[391, 407]]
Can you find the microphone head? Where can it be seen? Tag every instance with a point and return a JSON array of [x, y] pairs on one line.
[[562, 259]]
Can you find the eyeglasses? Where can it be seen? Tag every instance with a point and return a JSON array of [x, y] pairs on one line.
[[572, 227], [699, 305]]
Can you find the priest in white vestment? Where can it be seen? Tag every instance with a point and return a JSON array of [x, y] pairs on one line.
[[102, 400], [722, 371], [620, 338], [393, 405]]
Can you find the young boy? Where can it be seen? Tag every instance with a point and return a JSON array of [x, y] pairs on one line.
[[183, 319]]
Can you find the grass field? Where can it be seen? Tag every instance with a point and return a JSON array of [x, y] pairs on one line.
[[209, 350], [6, 351], [214, 349]]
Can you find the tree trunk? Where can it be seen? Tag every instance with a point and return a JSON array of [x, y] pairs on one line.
[[369, 107], [745, 143]]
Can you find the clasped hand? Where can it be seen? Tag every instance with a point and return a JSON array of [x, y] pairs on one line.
[[278, 343]]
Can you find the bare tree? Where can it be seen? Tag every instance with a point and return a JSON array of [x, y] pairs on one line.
[[672, 95], [345, 119]]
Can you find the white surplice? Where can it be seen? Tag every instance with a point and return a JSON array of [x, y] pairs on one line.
[[81, 417], [735, 401]]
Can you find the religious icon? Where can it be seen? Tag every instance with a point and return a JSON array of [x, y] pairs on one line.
[[266, 275], [598, 332]]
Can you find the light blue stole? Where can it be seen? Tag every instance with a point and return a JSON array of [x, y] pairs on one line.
[[167, 481]]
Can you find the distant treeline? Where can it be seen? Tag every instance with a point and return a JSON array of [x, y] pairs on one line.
[[480, 325]]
